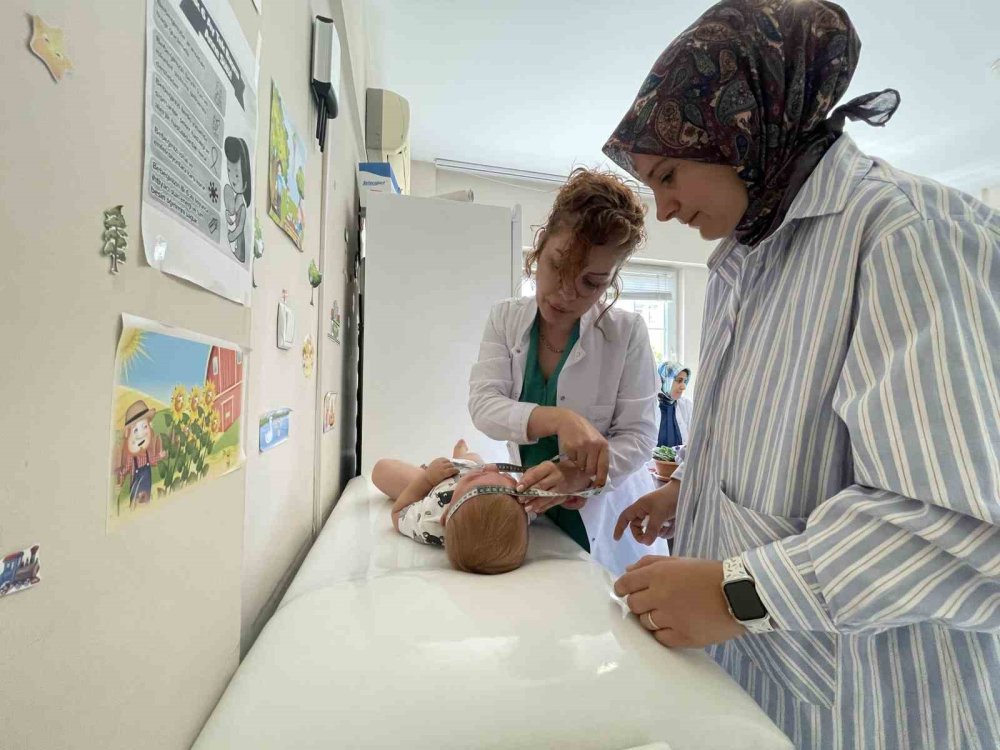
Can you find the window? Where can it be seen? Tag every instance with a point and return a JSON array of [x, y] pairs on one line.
[[651, 291], [215, 365], [239, 357]]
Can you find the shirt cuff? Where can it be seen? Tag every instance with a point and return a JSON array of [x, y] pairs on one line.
[[519, 417], [786, 582]]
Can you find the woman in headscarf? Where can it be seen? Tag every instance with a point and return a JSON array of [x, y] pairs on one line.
[[859, 563], [675, 410]]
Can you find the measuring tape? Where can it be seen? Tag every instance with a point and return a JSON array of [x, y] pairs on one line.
[[461, 463], [499, 489]]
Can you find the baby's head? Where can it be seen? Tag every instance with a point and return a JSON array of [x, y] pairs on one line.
[[488, 533]]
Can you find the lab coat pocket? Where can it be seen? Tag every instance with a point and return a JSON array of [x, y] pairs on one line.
[[804, 663], [600, 417]]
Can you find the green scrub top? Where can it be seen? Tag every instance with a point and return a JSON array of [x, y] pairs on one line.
[[539, 390]]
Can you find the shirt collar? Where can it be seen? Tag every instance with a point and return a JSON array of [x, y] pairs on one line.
[[827, 191], [530, 311]]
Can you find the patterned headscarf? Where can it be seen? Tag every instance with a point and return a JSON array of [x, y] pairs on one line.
[[667, 372], [750, 85]]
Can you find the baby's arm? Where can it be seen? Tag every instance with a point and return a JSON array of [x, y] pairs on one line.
[[437, 471], [414, 492]]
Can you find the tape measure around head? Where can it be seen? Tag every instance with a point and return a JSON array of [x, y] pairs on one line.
[[499, 489], [464, 463]]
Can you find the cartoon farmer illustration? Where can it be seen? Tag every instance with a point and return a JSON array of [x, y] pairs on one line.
[[141, 451]]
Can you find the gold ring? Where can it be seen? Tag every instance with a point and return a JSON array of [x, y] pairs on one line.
[[652, 625]]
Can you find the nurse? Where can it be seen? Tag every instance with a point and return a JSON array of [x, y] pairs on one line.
[[565, 374]]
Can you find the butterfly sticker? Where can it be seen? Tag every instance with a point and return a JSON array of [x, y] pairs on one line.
[[47, 45]]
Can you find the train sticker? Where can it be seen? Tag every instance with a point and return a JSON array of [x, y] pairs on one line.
[[20, 571]]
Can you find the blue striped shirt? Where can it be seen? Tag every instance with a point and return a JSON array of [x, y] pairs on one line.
[[846, 443]]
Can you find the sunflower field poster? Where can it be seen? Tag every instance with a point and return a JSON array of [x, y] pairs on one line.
[[177, 415]]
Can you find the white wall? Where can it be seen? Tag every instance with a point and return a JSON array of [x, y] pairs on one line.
[[667, 242], [284, 484], [130, 638]]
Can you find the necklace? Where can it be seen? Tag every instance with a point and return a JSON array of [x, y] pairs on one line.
[[547, 345]]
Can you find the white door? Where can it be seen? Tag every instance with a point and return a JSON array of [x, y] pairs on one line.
[[433, 269]]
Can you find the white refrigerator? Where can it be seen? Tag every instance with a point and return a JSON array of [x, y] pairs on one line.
[[431, 271]]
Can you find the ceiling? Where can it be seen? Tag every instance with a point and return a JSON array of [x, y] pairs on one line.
[[539, 84]]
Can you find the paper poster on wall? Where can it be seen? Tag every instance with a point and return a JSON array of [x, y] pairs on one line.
[[201, 133], [177, 414], [329, 411], [286, 174], [21, 570], [274, 427]]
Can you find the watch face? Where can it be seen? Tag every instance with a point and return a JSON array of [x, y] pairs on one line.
[[743, 600]]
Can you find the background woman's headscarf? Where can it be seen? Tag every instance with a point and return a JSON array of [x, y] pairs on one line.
[[668, 371], [750, 84]]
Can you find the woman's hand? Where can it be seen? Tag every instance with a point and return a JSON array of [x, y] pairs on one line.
[[582, 444], [438, 470], [680, 600], [564, 477], [657, 509]]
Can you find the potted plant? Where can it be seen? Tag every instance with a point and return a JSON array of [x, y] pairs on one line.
[[665, 459]]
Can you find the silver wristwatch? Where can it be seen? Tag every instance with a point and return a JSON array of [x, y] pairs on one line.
[[744, 603]]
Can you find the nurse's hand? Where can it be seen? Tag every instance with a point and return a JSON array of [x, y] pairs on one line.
[[680, 600], [553, 477], [582, 444], [651, 516]]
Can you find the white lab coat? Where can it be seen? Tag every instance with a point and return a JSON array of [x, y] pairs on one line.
[[684, 410], [609, 378]]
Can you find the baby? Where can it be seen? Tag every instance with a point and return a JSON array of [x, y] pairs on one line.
[[486, 533]]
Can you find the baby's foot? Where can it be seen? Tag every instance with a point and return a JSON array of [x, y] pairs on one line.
[[461, 448]]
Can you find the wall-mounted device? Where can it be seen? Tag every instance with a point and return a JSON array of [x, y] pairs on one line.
[[325, 73], [387, 132], [286, 323]]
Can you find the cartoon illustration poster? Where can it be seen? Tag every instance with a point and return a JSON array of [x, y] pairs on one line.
[[177, 414], [286, 174], [201, 134]]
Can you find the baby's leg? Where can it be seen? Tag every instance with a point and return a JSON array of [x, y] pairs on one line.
[[462, 451], [392, 476]]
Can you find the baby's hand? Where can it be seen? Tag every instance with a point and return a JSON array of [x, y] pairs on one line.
[[439, 469]]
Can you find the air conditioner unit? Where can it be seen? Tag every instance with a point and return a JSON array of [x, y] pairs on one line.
[[387, 132]]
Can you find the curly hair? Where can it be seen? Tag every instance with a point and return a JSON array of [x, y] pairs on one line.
[[599, 208]]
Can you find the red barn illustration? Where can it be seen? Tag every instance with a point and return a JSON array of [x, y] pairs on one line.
[[225, 372]]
